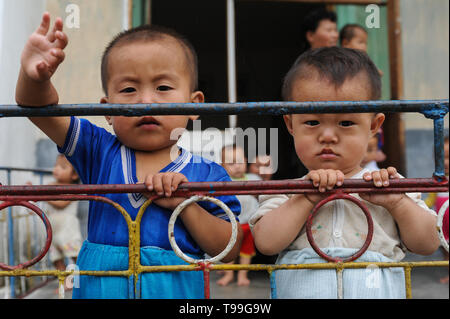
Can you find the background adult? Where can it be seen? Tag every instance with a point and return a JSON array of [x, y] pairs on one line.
[[320, 29]]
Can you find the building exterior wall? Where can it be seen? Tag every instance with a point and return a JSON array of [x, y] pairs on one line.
[[425, 45], [77, 79]]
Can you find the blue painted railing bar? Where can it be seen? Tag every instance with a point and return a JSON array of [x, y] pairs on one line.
[[429, 108], [40, 171]]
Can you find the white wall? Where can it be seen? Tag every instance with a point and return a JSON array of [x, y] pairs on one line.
[[17, 135]]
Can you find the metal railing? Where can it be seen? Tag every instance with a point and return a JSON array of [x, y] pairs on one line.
[[21, 195], [8, 217]]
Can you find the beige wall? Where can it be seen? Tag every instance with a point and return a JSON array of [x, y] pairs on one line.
[[425, 44], [78, 77]]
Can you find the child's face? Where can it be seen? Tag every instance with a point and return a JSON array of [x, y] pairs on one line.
[[63, 171], [262, 167], [359, 41], [149, 72], [326, 35], [332, 141], [372, 150], [234, 162]]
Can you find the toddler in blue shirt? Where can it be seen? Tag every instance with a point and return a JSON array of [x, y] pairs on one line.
[[147, 64]]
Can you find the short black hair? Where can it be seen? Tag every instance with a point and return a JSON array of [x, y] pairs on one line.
[[151, 33], [348, 32], [336, 64], [312, 20]]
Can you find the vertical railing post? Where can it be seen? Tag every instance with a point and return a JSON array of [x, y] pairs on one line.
[[439, 170], [12, 280], [437, 114], [231, 59], [273, 285]]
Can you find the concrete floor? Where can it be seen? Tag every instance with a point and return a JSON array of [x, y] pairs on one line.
[[425, 284]]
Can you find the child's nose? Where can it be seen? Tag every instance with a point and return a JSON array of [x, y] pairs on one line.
[[147, 98], [328, 135]]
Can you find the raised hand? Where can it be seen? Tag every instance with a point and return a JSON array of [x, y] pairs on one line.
[[43, 51]]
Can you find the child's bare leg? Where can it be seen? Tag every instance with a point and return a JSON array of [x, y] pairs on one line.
[[227, 277], [59, 265], [242, 274]]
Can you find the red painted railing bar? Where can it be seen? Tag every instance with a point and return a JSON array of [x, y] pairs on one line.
[[227, 188]]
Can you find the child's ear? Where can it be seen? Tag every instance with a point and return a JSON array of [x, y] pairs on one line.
[[377, 121], [197, 97], [104, 100], [288, 121], [75, 177]]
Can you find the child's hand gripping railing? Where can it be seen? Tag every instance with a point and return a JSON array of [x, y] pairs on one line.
[[16, 195]]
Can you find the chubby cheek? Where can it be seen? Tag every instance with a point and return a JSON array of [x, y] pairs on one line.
[[304, 152], [120, 125], [173, 122], [355, 152], [118, 121]]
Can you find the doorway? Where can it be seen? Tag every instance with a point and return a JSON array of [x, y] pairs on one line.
[[268, 40]]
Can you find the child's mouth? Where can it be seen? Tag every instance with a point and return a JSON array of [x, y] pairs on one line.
[[148, 122], [327, 153]]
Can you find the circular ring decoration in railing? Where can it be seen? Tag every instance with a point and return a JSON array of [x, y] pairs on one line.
[[180, 208], [369, 224], [440, 219], [48, 229]]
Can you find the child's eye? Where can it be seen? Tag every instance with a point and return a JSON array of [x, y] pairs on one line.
[[312, 123], [164, 88], [346, 123], [128, 90]]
